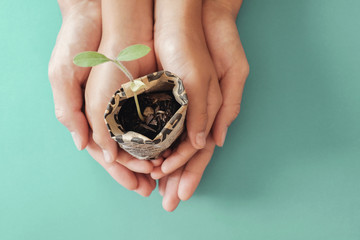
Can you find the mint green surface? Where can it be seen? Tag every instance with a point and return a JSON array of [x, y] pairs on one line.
[[290, 168]]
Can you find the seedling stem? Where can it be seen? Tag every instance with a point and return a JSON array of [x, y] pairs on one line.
[[90, 59]]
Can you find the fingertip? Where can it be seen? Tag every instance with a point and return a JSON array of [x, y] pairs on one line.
[[196, 121], [220, 137], [77, 140], [144, 187], [142, 193], [179, 157], [185, 193], [157, 173], [123, 176], [108, 147], [187, 187], [161, 192], [162, 185], [170, 204], [200, 140], [184, 196], [78, 128], [167, 168], [197, 138], [107, 156], [220, 129], [157, 162], [223, 137]]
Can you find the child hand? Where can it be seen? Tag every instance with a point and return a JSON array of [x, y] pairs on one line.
[[105, 79]]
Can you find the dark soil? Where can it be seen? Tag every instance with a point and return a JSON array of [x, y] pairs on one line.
[[157, 109]]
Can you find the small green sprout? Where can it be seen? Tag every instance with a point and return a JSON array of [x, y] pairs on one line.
[[133, 52]]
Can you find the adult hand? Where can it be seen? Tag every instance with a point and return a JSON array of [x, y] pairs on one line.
[[181, 184], [80, 31], [222, 37], [180, 47], [232, 70]]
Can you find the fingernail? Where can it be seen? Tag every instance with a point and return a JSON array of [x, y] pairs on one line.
[[77, 140], [223, 137], [107, 156], [200, 140]]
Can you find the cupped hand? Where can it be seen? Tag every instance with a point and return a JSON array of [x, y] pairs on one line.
[[227, 53], [105, 79], [180, 47], [80, 31], [232, 69]]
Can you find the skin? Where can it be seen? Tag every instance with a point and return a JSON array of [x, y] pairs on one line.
[[81, 19], [180, 47], [105, 79], [188, 43], [81, 30], [232, 69]]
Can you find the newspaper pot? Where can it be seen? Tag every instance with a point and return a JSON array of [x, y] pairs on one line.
[[137, 144]]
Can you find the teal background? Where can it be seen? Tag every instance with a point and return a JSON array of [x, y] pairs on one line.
[[289, 169]]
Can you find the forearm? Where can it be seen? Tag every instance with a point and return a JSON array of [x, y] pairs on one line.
[[223, 7], [67, 6], [178, 15], [130, 20], [179, 29]]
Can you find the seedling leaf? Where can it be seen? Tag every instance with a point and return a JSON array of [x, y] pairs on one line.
[[90, 59], [136, 85], [133, 52]]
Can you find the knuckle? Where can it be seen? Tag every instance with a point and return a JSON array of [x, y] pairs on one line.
[[202, 116], [193, 172], [219, 101], [197, 115], [198, 81], [183, 158], [61, 115], [215, 103], [57, 69], [98, 138], [52, 72], [234, 112], [95, 104], [246, 70], [242, 75], [231, 111]]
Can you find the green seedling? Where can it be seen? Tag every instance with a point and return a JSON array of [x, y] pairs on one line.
[[91, 59]]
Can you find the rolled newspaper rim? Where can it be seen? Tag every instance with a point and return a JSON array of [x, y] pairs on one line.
[[134, 143]]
